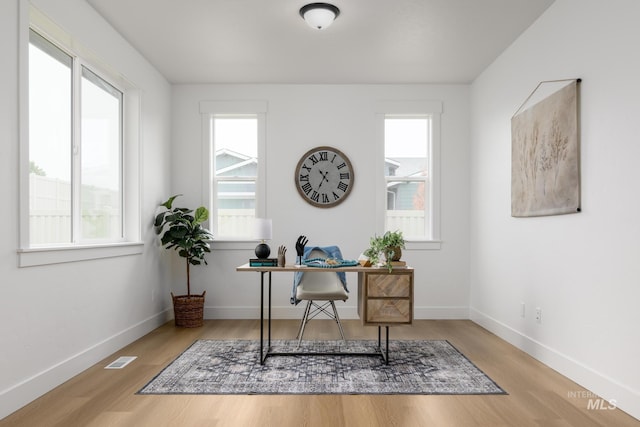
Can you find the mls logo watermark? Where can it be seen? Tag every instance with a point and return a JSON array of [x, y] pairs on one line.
[[594, 402], [601, 404]]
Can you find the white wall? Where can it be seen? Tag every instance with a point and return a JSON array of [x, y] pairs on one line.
[[58, 320], [581, 269], [300, 117]]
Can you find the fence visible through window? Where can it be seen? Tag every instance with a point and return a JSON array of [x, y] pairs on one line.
[[50, 215], [406, 169]]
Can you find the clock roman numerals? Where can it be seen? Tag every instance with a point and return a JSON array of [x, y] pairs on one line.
[[320, 156], [307, 188]]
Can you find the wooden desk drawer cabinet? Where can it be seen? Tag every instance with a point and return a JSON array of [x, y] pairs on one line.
[[386, 298]]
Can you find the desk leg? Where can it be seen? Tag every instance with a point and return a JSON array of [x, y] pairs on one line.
[[385, 353], [386, 357], [263, 354], [269, 341], [261, 316]]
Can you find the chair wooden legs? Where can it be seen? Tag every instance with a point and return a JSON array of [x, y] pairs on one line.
[[303, 323], [337, 318], [317, 309]]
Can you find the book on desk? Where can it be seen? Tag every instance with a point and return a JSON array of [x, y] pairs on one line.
[[398, 264], [263, 262]]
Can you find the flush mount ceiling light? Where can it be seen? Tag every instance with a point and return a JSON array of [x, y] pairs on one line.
[[319, 15]]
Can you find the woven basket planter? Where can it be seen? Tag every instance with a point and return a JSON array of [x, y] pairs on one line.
[[188, 310]]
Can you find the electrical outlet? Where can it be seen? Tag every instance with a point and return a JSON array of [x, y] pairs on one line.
[[522, 310], [538, 315]]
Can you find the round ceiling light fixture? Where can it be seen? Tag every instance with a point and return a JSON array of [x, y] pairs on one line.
[[319, 15]]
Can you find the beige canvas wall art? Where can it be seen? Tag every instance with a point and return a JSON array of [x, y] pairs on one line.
[[545, 163]]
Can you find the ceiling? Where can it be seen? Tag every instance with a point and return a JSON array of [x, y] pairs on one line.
[[372, 41]]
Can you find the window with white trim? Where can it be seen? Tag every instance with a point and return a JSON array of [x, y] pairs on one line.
[[410, 194], [75, 150], [79, 153], [235, 145], [235, 174]]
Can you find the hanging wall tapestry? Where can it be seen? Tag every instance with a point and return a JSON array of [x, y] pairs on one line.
[[545, 158]]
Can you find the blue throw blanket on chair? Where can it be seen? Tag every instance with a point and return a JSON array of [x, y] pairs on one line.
[[330, 252]]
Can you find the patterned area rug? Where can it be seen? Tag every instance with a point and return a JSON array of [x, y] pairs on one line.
[[233, 367]]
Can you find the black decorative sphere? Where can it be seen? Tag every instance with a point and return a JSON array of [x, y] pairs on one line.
[[263, 251]]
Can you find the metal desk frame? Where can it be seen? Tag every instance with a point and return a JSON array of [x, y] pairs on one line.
[[266, 351]]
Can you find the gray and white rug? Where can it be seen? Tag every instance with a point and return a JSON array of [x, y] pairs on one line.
[[233, 367]]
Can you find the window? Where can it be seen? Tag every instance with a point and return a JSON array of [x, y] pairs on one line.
[[79, 152], [235, 143], [406, 147], [50, 142], [100, 160], [235, 172], [409, 192], [75, 150]]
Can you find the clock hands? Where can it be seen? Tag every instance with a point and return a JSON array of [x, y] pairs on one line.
[[324, 177]]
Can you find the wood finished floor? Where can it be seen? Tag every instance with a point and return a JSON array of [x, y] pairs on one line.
[[538, 396]]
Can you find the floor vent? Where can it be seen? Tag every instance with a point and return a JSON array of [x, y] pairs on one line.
[[121, 362]]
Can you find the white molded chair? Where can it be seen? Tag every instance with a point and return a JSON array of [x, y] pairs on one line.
[[320, 290]]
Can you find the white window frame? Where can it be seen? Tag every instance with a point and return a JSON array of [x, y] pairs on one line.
[[208, 110], [131, 243], [411, 108]]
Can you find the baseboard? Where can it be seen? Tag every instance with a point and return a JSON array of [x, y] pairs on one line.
[[345, 312], [614, 393], [31, 388], [441, 313]]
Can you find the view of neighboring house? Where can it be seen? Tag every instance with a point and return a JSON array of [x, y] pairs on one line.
[[406, 198], [238, 194]]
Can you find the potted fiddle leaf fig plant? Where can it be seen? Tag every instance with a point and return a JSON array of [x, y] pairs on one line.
[[181, 229], [389, 246]]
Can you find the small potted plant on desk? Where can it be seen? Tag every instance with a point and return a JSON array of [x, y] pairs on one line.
[[389, 246], [182, 230]]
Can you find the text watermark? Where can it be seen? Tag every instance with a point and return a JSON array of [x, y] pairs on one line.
[[594, 402]]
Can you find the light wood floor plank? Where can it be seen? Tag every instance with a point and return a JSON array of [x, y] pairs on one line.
[[538, 396]]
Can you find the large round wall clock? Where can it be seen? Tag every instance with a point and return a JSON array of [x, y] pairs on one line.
[[324, 177]]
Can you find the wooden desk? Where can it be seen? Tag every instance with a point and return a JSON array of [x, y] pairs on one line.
[[384, 299]]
